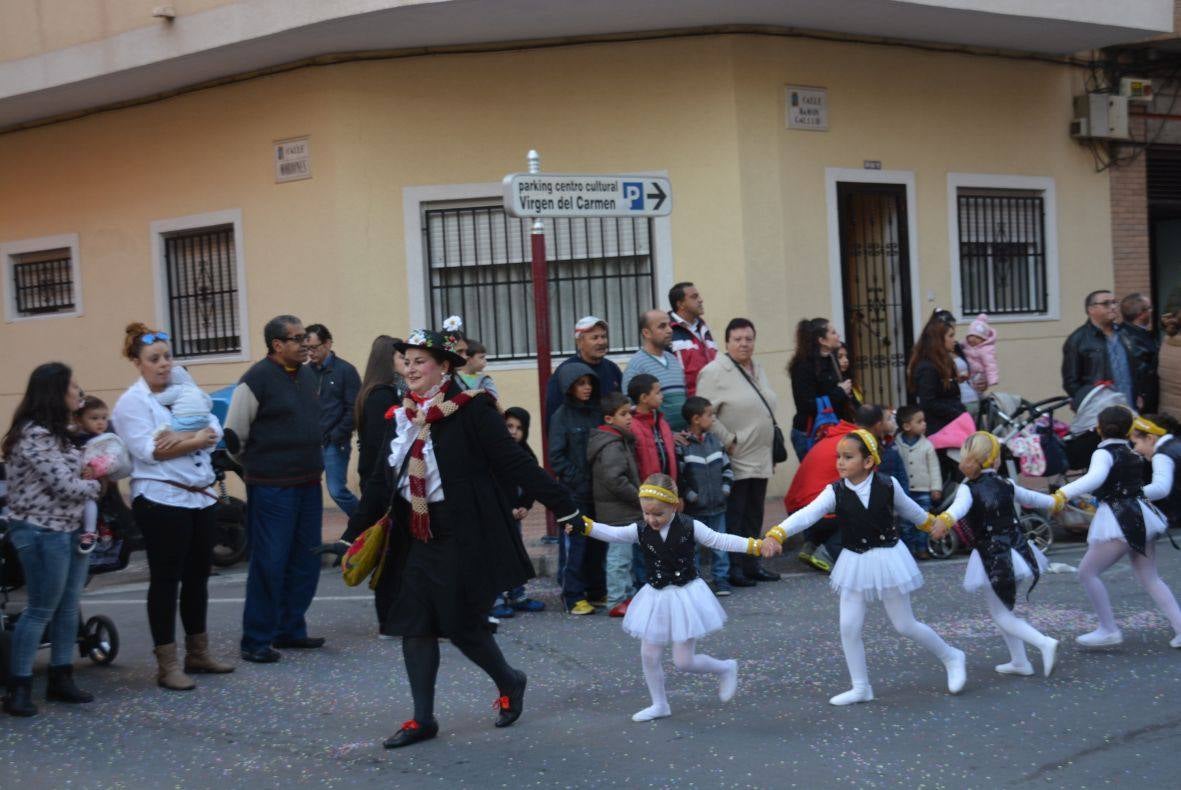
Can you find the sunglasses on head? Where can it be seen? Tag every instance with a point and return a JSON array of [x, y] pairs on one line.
[[151, 337]]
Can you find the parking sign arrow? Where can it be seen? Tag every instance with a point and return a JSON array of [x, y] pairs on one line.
[[658, 195]]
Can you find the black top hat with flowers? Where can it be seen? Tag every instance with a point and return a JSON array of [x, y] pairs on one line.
[[444, 345]]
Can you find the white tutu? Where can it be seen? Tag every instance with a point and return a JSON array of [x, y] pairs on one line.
[[977, 579], [674, 614], [1105, 527], [876, 571]]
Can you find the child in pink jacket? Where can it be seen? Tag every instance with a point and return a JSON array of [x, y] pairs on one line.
[[980, 352]]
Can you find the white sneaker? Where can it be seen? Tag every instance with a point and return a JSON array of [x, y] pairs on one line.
[[1049, 656], [957, 671], [1175, 641], [729, 682], [853, 696], [652, 712], [1010, 668], [1100, 638]]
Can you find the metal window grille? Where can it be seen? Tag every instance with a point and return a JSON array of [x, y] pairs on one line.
[[478, 260], [43, 282], [202, 273], [1002, 252]]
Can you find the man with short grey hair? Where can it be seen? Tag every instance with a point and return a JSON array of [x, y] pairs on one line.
[[273, 430], [1098, 351], [1136, 309]]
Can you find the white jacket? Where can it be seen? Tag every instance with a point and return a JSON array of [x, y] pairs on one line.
[[922, 465]]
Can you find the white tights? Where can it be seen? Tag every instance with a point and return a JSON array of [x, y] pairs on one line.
[[1015, 631], [901, 616], [1101, 556], [685, 659]]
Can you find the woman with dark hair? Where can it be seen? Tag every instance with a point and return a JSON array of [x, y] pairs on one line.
[[382, 386], [452, 544], [174, 506], [47, 491], [815, 373], [931, 375]]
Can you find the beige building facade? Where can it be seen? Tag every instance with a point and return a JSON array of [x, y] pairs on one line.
[[942, 179]]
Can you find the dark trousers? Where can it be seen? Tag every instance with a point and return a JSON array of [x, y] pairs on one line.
[[179, 543], [744, 516], [584, 569], [284, 528]]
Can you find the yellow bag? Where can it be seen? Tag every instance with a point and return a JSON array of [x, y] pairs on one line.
[[364, 557]]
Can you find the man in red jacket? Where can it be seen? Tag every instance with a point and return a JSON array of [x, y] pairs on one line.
[[817, 470], [692, 341]]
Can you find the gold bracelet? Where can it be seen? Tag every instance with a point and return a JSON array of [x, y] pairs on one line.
[[779, 533], [927, 525], [754, 546], [587, 524]]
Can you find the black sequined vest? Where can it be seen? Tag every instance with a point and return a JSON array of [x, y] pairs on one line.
[[866, 527], [669, 560]]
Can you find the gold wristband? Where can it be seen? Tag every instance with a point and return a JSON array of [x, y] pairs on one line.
[[779, 533], [754, 546], [927, 525], [587, 524]]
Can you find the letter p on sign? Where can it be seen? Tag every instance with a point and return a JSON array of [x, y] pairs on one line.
[[633, 195]]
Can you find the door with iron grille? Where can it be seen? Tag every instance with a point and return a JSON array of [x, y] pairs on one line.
[[875, 273]]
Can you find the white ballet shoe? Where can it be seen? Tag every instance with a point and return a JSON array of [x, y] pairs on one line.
[[1100, 638], [652, 712], [1049, 656], [957, 671], [853, 696], [1012, 668], [729, 682], [1175, 641]]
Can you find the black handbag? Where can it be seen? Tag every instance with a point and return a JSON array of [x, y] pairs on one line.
[[778, 445]]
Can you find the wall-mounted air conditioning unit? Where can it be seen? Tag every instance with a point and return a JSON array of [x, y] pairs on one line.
[[1100, 116]]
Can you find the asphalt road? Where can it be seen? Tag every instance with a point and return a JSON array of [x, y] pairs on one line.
[[318, 717]]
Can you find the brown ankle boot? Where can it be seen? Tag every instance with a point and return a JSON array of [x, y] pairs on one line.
[[168, 674], [199, 661]]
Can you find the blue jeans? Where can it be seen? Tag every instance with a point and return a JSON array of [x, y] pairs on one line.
[[336, 473], [799, 442], [914, 538], [55, 574], [284, 526], [620, 559], [721, 559]]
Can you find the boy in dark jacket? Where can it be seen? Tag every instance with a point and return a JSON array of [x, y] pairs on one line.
[[612, 455], [705, 480], [570, 430], [517, 420]]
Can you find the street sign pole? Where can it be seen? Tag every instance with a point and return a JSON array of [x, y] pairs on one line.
[[541, 330]]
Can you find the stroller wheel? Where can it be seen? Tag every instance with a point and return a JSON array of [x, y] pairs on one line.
[[100, 640], [1038, 530], [945, 547]]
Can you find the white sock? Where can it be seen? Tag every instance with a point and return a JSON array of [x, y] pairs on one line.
[[651, 656], [852, 621]]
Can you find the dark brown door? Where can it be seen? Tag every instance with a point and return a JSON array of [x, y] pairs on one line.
[[875, 272]]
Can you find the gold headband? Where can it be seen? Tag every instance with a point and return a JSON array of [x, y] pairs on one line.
[[659, 493], [871, 444], [994, 450], [1145, 425]]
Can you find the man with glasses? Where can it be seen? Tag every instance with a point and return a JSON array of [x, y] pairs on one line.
[[1098, 351], [273, 430], [337, 385], [1136, 309]]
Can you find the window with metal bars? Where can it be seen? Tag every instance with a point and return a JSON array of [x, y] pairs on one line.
[[478, 262], [43, 282], [201, 269], [1002, 247]]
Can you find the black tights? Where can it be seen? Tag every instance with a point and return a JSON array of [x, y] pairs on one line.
[[179, 543], [422, 665]]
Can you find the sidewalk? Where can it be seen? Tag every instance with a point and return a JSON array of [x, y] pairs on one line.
[[543, 555]]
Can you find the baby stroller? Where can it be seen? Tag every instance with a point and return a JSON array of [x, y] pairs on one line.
[[1035, 444], [98, 638]]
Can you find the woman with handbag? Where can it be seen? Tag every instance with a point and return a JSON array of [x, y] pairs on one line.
[[744, 403], [816, 375], [451, 545], [173, 502]]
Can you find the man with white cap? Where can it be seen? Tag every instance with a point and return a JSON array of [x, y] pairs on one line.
[[590, 343]]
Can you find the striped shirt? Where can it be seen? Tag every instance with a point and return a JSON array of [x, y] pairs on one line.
[[668, 371]]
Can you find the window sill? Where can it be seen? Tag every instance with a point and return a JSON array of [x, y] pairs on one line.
[[1026, 318], [212, 360], [13, 319]]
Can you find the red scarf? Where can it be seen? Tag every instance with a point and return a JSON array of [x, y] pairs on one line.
[[423, 415]]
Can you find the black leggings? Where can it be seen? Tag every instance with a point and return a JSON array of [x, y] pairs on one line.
[[422, 666], [179, 543], [744, 517]]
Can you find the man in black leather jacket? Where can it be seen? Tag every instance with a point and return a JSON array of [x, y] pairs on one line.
[[1085, 355], [1136, 309]]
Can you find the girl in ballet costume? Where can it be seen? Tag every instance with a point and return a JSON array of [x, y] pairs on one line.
[[1124, 523], [675, 605], [1002, 556], [873, 562]]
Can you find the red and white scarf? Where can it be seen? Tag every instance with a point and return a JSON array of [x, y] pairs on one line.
[[423, 413]]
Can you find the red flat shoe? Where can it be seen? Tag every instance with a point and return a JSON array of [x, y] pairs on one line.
[[620, 609]]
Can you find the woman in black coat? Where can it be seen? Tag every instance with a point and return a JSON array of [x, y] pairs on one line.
[[453, 546], [932, 376], [815, 373], [381, 388]]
